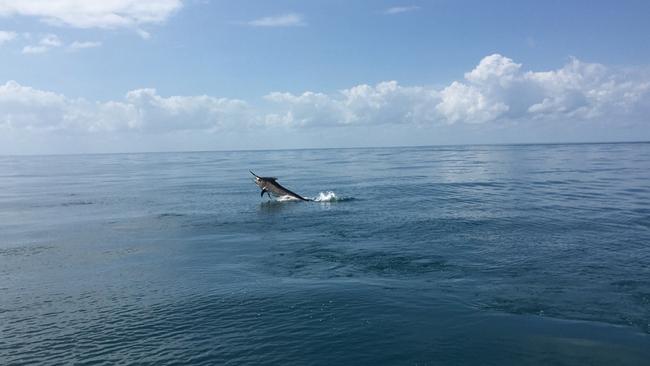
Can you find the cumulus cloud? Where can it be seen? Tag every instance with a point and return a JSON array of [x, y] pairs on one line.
[[400, 9], [387, 102], [285, 20], [143, 110], [466, 103], [498, 90], [93, 14], [45, 44], [578, 90], [6, 36]]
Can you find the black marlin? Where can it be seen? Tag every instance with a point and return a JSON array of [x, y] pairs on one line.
[[270, 185]]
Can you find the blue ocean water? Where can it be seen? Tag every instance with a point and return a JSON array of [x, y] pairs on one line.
[[491, 255]]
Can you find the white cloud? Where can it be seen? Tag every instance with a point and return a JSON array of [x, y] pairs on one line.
[[400, 9], [202, 112], [496, 91], [109, 14], [285, 20], [45, 44], [141, 110], [35, 49], [577, 90], [77, 45], [463, 103], [6, 36], [387, 102], [50, 40], [494, 68]]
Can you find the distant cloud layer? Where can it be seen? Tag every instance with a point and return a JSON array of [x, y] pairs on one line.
[[142, 110], [497, 90]]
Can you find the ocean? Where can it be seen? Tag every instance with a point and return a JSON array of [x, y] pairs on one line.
[[447, 255]]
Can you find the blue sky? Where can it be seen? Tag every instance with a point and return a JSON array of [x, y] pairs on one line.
[[125, 75]]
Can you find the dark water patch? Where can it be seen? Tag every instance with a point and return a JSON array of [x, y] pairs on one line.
[[541, 306], [314, 261], [637, 190], [25, 251], [632, 284], [311, 325], [77, 203], [169, 215]]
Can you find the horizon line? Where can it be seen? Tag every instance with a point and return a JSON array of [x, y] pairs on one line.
[[336, 148]]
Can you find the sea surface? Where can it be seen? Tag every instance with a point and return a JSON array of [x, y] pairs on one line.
[[454, 255]]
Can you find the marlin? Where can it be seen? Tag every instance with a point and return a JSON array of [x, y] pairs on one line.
[[270, 186]]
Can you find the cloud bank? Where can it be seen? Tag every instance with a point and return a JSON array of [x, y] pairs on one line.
[[141, 110], [496, 91]]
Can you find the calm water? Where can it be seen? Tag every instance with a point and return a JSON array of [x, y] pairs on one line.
[[492, 255]]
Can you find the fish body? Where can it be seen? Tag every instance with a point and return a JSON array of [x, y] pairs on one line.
[[270, 186]]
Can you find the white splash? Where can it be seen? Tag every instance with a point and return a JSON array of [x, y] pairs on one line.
[[328, 196], [324, 197], [286, 198]]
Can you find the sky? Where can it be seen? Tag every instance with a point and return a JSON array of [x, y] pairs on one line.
[[80, 76]]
